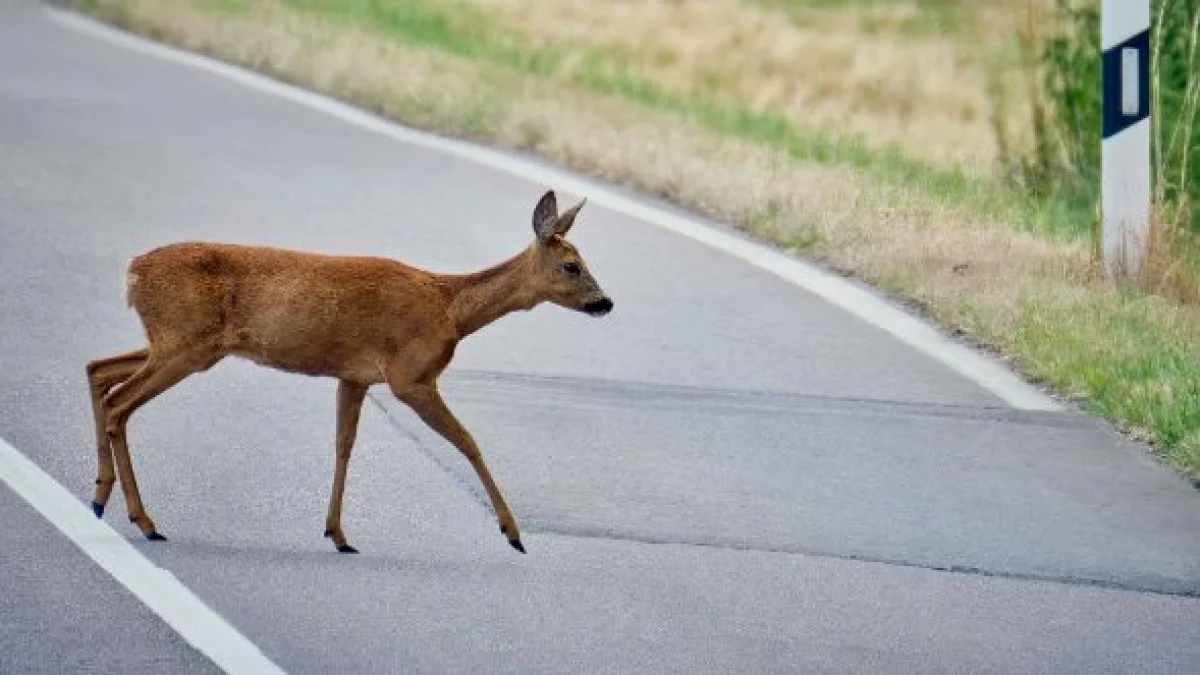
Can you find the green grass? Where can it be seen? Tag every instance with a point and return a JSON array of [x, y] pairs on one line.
[[1137, 373], [933, 17], [463, 31]]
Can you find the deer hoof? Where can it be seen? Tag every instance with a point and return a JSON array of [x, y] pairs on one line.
[[98, 509], [512, 541], [155, 536], [346, 548]]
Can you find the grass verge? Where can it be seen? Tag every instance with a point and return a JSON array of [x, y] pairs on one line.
[[952, 252], [913, 149]]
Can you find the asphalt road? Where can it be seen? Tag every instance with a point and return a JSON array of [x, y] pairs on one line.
[[727, 474]]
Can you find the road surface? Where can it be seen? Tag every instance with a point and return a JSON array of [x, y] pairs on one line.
[[727, 474]]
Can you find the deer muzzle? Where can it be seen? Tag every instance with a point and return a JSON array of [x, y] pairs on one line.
[[598, 307]]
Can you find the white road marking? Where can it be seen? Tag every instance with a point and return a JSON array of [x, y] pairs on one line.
[[980, 368], [156, 587]]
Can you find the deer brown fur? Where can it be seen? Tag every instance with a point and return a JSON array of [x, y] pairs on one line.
[[361, 320]]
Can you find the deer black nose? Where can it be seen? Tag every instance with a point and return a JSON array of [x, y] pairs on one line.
[[599, 307]]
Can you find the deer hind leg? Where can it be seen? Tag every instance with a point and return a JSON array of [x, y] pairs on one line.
[[155, 376], [427, 402], [349, 404], [103, 375]]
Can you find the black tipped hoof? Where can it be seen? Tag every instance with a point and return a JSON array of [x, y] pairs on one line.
[[154, 536], [98, 509], [347, 548], [516, 543]]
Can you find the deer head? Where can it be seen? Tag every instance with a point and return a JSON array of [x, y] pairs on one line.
[[560, 274]]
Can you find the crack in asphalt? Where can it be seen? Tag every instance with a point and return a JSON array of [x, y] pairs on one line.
[[587, 392], [475, 491], [1162, 587], [1167, 588]]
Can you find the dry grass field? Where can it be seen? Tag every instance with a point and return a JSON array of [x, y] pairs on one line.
[[883, 72]]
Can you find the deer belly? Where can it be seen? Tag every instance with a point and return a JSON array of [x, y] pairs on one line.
[[311, 357]]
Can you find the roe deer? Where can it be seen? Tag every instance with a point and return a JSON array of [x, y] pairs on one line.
[[362, 320]]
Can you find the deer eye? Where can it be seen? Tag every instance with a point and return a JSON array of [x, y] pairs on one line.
[[571, 268]]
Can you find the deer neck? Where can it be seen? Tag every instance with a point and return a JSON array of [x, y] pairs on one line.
[[482, 297]]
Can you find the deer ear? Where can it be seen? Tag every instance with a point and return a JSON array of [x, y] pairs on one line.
[[545, 216], [567, 219]]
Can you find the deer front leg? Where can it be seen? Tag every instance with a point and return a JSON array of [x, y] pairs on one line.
[[427, 402], [349, 404]]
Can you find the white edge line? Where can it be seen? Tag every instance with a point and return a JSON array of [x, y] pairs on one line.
[[156, 587], [867, 306]]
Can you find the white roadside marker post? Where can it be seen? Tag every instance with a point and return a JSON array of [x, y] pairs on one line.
[[1125, 151]]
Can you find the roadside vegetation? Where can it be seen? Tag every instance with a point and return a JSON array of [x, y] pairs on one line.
[[945, 152]]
